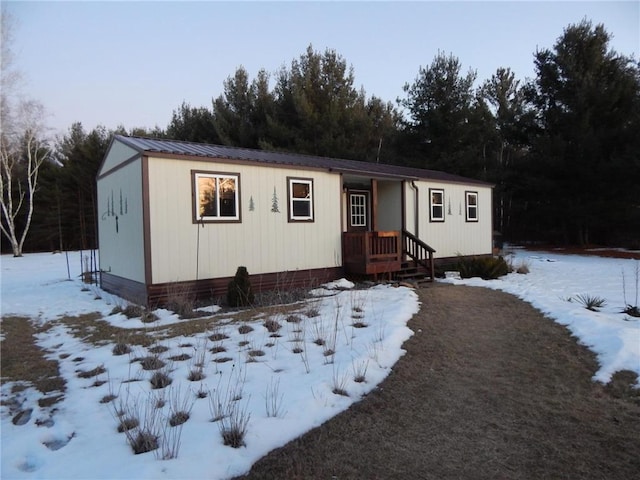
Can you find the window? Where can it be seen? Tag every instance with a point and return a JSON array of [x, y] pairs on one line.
[[300, 199], [358, 210], [436, 205], [472, 206], [216, 197]]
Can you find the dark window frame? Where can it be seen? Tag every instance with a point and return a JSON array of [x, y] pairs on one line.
[[469, 207], [432, 217], [292, 218]]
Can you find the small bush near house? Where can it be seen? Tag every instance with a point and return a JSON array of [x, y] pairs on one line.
[[487, 268], [239, 291]]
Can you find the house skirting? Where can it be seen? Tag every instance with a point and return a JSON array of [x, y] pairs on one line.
[[213, 288]]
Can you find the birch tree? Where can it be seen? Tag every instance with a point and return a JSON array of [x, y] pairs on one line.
[[23, 148]]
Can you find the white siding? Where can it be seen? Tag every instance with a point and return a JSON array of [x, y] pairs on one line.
[[263, 241], [118, 153], [455, 236], [120, 196]]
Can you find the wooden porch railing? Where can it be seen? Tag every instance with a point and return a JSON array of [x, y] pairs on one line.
[[418, 251], [372, 253]]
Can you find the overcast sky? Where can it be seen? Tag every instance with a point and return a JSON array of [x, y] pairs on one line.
[[133, 63]]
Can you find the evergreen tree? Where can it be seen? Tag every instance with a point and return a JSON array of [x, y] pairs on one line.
[[318, 110], [445, 118], [511, 117], [192, 124], [241, 113], [588, 99]]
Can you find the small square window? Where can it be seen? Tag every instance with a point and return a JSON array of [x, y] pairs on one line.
[[471, 206], [300, 199], [436, 205]]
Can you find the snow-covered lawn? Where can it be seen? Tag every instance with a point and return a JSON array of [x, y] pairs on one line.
[[264, 370], [83, 441]]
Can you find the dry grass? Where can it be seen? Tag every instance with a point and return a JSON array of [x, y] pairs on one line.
[[488, 388], [22, 360]]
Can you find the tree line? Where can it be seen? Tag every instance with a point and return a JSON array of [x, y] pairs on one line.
[[562, 149]]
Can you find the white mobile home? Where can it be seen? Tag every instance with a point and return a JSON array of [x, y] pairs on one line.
[[179, 214]]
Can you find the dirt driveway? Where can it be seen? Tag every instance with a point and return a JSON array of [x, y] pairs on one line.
[[488, 389]]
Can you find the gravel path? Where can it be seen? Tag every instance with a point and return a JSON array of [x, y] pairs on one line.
[[488, 389]]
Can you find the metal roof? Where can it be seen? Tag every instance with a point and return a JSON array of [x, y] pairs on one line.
[[354, 167]]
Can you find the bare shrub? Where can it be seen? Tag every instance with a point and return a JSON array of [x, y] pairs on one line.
[[110, 397], [360, 371], [180, 300], [319, 329], [244, 329], [140, 422], [217, 337], [233, 427], [222, 359], [180, 358], [272, 325], [632, 309], [151, 363], [121, 348], [338, 384], [160, 380], [92, 373], [180, 407], [156, 349], [127, 423], [293, 319]]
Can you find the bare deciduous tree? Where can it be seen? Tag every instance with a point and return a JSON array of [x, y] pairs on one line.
[[23, 148]]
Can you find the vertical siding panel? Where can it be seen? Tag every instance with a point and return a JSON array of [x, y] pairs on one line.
[[122, 250], [455, 236], [264, 241]]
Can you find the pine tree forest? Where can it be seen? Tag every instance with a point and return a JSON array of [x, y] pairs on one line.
[[562, 149]]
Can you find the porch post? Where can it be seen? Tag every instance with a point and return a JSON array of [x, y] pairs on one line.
[[374, 205]]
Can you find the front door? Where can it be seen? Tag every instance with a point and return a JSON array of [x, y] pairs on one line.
[[358, 213]]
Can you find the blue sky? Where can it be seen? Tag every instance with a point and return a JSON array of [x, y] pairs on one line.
[[133, 63]]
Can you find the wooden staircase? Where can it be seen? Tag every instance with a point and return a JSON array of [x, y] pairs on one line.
[[418, 268], [412, 272]]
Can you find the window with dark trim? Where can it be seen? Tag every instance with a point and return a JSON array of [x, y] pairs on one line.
[[216, 197], [436, 205], [471, 204], [300, 193]]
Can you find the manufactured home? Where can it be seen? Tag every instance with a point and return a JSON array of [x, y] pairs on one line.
[[181, 215]]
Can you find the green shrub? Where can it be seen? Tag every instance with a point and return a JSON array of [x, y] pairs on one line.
[[487, 268], [239, 291]]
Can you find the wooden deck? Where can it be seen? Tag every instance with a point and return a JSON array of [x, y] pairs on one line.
[[372, 253], [383, 253]]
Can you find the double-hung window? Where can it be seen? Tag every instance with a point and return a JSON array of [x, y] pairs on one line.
[[216, 197], [300, 193], [436, 205], [471, 203]]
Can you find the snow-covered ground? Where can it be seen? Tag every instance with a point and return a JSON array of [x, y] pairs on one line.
[[82, 442], [283, 393]]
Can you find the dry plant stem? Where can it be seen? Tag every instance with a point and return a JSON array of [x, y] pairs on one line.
[[360, 371], [273, 399], [339, 383]]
